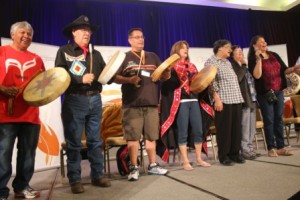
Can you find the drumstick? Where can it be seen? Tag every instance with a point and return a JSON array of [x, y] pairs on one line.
[[11, 99], [142, 55], [10, 106], [91, 55]]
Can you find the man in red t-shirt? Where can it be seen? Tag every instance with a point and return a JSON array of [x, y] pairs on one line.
[[17, 118]]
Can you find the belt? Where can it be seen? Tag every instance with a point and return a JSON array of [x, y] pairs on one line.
[[86, 93]]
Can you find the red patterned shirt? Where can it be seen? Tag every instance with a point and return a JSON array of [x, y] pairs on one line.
[[271, 72]]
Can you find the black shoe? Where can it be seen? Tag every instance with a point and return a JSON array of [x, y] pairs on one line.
[[101, 182], [238, 159], [227, 162], [77, 188]]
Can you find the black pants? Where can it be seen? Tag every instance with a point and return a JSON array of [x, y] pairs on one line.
[[229, 131]]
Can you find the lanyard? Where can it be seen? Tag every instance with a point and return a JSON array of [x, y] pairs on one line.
[[142, 57]]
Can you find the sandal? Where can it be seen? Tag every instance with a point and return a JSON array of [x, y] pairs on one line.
[[272, 153], [203, 164], [187, 166], [284, 152]]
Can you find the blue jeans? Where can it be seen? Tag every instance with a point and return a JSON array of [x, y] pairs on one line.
[[81, 113], [189, 113], [28, 136], [272, 117]]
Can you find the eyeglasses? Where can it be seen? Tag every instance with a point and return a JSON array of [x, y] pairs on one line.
[[138, 37]]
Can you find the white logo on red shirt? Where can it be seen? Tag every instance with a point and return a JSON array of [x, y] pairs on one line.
[[13, 62]]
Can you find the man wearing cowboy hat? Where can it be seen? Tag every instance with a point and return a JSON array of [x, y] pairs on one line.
[[82, 105]]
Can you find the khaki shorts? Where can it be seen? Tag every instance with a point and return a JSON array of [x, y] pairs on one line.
[[141, 121]]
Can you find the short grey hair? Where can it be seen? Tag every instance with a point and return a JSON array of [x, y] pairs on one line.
[[220, 43], [23, 24]]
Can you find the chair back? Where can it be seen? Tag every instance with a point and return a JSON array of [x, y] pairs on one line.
[[258, 115], [288, 109], [83, 137], [296, 104], [111, 125]]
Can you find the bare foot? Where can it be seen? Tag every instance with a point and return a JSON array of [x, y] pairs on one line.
[[187, 166], [202, 163]]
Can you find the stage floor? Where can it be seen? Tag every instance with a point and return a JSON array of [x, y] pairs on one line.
[[263, 178]]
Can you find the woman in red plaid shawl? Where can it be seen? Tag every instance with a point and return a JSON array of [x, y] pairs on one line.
[[185, 108]]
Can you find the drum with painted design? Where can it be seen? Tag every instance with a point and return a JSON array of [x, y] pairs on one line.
[[47, 86]]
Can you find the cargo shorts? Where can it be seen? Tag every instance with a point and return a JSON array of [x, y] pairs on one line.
[[138, 121]]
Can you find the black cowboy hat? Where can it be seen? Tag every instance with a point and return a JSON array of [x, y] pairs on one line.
[[80, 21]]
